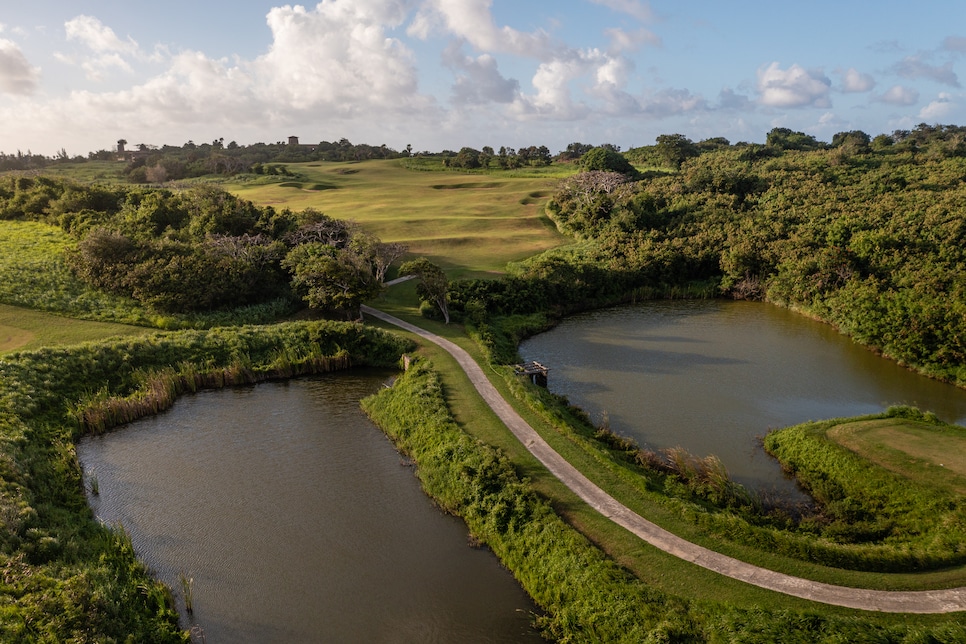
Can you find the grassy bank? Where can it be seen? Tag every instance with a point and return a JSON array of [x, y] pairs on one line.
[[589, 597], [66, 577]]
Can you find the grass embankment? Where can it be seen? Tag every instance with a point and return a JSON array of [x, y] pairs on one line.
[[66, 577], [589, 597], [469, 224]]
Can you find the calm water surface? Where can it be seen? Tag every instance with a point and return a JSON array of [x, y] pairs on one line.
[[713, 376], [298, 522]]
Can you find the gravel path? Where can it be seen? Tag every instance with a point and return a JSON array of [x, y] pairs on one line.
[[927, 601]]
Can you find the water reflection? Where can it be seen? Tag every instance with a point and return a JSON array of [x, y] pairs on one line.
[[713, 376], [299, 522]]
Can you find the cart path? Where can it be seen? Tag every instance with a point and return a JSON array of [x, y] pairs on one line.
[[926, 601]]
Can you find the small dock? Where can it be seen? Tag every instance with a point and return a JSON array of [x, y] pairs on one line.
[[536, 372]]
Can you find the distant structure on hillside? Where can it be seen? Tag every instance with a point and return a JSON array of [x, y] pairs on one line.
[[293, 140]]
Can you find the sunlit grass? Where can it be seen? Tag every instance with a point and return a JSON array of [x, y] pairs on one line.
[[930, 454], [469, 224], [22, 329]]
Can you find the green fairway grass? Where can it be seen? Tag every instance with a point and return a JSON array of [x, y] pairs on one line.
[[470, 224], [926, 453], [26, 329]]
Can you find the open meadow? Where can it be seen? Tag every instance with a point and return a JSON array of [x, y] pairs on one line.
[[469, 224]]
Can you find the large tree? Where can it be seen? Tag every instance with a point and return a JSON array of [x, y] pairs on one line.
[[332, 278], [433, 284]]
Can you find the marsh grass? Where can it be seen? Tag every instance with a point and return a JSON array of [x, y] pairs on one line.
[[187, 592]]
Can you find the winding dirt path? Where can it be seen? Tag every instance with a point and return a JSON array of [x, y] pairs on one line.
[[927, 601]]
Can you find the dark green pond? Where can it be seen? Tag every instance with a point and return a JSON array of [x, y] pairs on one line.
[[713, 376], [299, 522]]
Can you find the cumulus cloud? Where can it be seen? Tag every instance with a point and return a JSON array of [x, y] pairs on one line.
[[794, 87], [17, 75], [472, 21], [478, 79], [856, 81], [913, 68], [338, 56], [107, 50], [938, 109], [97, 36], [899, 95]]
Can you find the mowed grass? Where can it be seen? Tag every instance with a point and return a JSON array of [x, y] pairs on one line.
[[470, 224], [929, 454], [22, 329]]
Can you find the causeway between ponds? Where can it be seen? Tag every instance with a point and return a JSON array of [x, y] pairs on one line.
[[924, 601]]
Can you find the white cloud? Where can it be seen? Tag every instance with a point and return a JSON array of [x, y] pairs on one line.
[[108, 51], [338, 57], [634, 8], [856, 81], [913, 68], [899, 95], [98, 37], [794, 87], [938, 109], [478, 79], [621, 40], [17, 75], [472, 21]]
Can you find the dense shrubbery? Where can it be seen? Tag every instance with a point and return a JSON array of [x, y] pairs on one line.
[[201, 250], [66, 577]]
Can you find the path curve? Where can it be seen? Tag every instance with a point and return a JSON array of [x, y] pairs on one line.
[[925, 601]]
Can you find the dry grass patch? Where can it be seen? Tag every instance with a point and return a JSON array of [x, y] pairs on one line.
[[930, 454]]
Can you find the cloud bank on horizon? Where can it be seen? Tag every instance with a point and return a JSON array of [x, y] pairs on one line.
[[442, 74]]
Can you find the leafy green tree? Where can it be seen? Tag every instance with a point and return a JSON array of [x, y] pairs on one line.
[[604, 159], [786, 139], [675, 149], [331, 278], [433, 284]]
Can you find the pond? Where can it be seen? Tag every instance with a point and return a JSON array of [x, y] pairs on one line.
[[713, 376], [298, 521]]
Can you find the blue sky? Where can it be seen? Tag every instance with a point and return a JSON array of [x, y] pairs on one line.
[[80, 74]]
